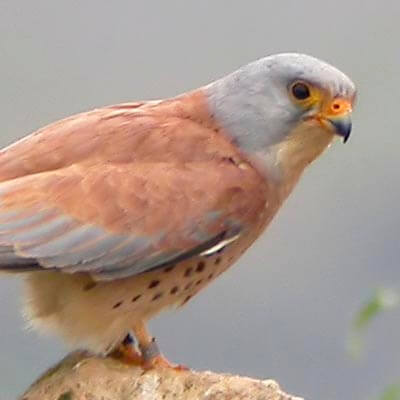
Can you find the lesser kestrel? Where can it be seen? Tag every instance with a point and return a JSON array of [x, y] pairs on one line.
[[118, 213]]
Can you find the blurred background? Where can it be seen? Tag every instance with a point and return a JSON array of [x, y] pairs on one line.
[[285, 310]]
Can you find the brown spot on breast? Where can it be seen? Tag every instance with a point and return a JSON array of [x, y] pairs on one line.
[[189, 271], [210, 276], [136, 298], [217, 260], [157, 296], [186, 299], [116, 305], [174, 290], [200, 266], [89, 286], [154, 284], [198, 282], [169, 269]]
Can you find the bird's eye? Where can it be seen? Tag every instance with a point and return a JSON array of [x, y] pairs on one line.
[[300, 91]]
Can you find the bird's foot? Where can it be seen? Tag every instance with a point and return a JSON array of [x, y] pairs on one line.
[[149, 356], [161, 362], [130, 355], [152, 358]]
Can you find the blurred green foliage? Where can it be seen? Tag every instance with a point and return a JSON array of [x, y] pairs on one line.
[[391, 393], [381, 301]]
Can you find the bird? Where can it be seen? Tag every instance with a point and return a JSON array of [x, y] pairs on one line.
[[119, 213]]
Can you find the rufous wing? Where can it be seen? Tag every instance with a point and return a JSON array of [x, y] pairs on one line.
[[124, 189]]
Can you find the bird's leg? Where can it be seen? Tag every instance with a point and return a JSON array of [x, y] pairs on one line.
[[127, 352], [151, 354]]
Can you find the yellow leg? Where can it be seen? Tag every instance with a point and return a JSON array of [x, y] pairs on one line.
[[151, 356]]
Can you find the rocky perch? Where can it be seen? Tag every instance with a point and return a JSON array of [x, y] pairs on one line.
[[81, 376]]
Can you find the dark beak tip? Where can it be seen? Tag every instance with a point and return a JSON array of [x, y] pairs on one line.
[[343, 128]]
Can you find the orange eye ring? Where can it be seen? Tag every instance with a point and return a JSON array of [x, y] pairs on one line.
[[339, 106]]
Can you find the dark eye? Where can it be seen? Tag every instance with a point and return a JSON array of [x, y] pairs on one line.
[[300, 91]]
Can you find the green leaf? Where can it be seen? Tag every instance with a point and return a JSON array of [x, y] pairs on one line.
[[382, 300], [391, 393]]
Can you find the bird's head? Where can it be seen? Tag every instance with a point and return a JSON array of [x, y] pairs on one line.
[[284, 109]]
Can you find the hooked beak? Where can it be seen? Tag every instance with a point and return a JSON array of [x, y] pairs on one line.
[[342, 125], [335, 116]]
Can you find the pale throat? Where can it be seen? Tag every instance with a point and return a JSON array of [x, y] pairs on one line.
[[284, 162]]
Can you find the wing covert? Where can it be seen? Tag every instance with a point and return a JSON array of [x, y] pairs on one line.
[[114, 221]]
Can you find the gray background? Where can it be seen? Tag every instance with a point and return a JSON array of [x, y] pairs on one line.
[[284, 311]]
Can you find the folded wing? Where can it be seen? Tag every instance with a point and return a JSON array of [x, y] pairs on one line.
[[114, 221]]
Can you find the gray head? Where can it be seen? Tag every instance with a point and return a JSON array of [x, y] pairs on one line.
[[264, 102]]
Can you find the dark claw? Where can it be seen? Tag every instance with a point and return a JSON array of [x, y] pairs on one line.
[[129, 340]]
